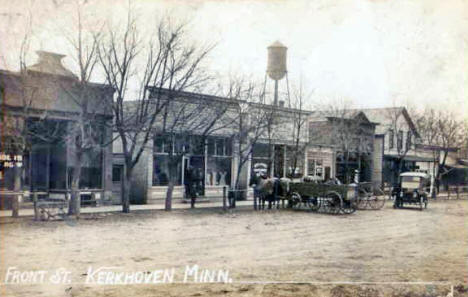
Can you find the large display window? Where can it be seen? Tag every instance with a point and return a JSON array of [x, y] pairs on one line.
[[294, 162], [218, 171], [161, 168]]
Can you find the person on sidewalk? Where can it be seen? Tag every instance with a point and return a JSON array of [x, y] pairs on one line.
[[189, 187]]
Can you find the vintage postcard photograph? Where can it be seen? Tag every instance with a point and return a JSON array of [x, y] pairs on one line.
[[234, 148]]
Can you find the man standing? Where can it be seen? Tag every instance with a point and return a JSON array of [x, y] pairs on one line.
[[188, 183]]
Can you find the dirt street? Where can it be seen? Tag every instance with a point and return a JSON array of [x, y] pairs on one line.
[[268, 253]]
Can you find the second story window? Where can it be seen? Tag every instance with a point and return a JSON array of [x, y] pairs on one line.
[[408, 140], [400, 140], [391, 137]]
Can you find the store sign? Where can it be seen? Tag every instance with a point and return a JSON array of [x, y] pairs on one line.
[[11, 161]]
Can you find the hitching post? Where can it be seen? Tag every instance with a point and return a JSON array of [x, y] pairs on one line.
[[36, 215], [224, 198]]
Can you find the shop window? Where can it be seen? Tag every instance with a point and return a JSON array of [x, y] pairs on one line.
[[117, 171], [161, 168], [408, 140], [91, 170], [39, 167], [315, 168], [7, 174], [400, 140], [260, 158], [218, 171], [58, 167], [391, 137], [291, 155]]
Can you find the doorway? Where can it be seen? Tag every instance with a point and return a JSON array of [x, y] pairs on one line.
[[197, 164]]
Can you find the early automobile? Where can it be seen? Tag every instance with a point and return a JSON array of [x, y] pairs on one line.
[[412, 188]]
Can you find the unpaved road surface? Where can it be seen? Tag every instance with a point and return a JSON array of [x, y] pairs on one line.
[[270, 253]]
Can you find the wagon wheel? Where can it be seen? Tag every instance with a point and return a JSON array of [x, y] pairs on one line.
[[377, 200], [295, 199], [47, 212], [421, 202], [313, 203], [334, 202], [363, 199], [349, 206]]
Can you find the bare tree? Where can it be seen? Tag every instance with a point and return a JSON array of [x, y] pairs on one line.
[[169, 62], [254, 121], [449, 129], [300, 121], [440, 132], [87, 127], [427, 126], [345, 129], [16, 134]]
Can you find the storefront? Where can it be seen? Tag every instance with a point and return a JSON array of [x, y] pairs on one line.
[[47, 163], [38, 112], [209, 159], [286, 160]]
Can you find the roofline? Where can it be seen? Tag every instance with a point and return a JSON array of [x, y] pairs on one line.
[[227, 100], [18, 74]]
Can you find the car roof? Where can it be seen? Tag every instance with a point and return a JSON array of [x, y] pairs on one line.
[[418, 174]]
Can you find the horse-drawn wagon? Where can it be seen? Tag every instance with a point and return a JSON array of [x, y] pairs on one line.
[[323, 197], [328, 197]]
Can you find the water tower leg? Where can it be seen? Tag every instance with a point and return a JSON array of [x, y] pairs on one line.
[[276, 93]]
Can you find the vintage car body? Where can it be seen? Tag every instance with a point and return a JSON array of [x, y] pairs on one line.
[[413, 188]]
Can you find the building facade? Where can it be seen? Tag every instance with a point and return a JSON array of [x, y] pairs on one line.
[[341, 143], [38, 109], [398, 139], [215, 157]]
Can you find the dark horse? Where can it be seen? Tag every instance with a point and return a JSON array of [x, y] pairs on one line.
[[270, 190]]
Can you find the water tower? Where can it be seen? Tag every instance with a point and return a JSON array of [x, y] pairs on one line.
[[276, 66]]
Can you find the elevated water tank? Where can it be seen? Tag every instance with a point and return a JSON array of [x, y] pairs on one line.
[[276, 67]]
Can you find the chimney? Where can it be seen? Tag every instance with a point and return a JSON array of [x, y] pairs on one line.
[[51, 63], [281, 103]]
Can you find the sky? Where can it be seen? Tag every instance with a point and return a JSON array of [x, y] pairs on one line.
[[375, 53]]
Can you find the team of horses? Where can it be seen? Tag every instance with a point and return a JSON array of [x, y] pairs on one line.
[[271, 190]]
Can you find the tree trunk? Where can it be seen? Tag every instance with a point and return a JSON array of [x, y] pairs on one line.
[[346, 177], [172, 181], [75, 200], [17, 189], [126, 190], [170, 190], [439, 175]]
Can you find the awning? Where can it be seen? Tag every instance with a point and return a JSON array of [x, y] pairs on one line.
[[411, 158]]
